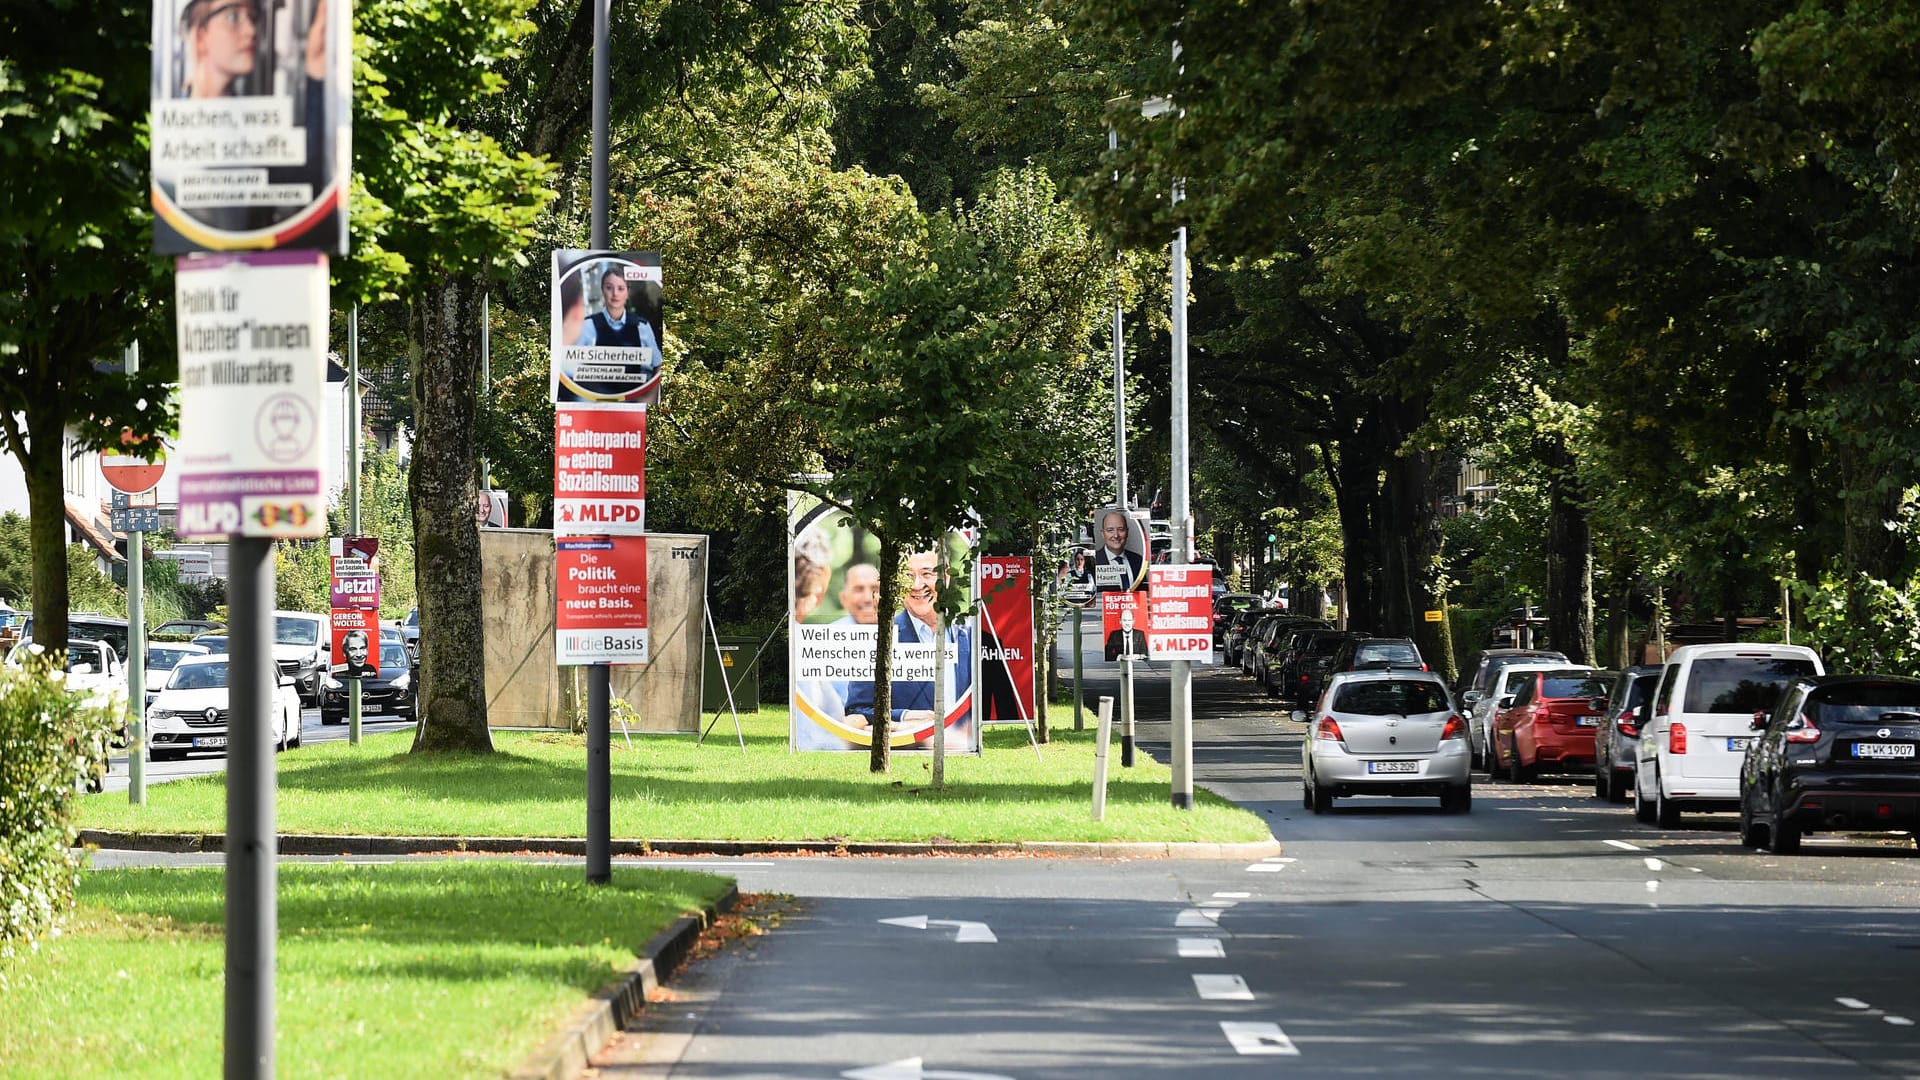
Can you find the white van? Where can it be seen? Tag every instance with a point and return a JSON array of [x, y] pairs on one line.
[[1693, 744]]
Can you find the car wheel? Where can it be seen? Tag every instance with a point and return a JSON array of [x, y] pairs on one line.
[[1516, 772], [330, 719], [1457, 800], [1642, 809], [1321, 800], [1666, 813], [1476, 755], [1600, 775], [1306, 790], [1617, 785], [1752, 833], [1272, 690], [1783, 836]]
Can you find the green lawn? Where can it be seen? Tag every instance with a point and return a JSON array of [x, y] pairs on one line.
[[666, 787], [442, 969]]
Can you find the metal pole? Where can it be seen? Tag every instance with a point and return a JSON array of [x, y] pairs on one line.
[[353, 498], [1079, 713], [599, 676], [136, 657], [1182, 673], [251, 846], [1100, 759], [1126, 707]]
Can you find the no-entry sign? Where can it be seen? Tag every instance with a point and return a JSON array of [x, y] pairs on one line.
[[131, 475], [1180, 613]]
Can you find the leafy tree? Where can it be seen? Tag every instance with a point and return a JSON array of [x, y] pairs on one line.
[[75, 284]]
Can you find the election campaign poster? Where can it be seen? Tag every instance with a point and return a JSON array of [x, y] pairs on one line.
[[606, 330], [1006, 639], [833, 634], [355, 606], [599, 470], [1119, 560], [250, 123], [601, 594], [252, 339], [1180, 618]]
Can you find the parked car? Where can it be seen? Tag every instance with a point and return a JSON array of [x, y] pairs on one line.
[[1259, 640], [1363, 653], [1837, 752], [1385, 733], [86, 626], [393, 692], [162, 658], [300, 644], [93, 671], [1225, 606], [1550, 726], [1692, 748], [185, 628], [1233, 645], [1479, 673], [1315, 663], [1618, 735], [1483, 708], [410, 631], [193, 711], [1274, 649], [215, 642]]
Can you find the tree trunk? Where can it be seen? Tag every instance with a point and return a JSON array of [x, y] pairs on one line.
[[1355, 480], [1569, 563], [1621, 616], [883, 655], [47, 527], [444, 487]]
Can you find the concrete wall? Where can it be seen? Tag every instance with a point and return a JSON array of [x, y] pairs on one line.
[[525, 689]]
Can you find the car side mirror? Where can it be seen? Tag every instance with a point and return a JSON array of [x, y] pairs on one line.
[[1505, 702], [1598, 704], [1759, 721], [1472, 697], [1297, 716]]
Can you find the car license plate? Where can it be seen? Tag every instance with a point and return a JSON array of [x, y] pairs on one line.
[[373, 707], [1587, 721], [210, 742], [1883, 749], [1393, 766], [1738, 744]]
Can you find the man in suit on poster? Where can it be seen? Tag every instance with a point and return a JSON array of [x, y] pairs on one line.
[[913, 703], [1116, 566]]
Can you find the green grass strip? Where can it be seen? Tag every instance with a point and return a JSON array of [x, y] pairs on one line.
[[666, 787], [451, 969]]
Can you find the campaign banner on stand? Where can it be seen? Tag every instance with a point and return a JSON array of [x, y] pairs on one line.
[[606, 329], [1180, 613], [599, 470], [1123, 624], [1006, 639], [252, 338], [833, 633], [251, 107], [355, 606], [1119, 559], [601, 594]]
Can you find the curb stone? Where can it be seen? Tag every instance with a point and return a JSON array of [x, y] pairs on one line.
[[311, 844], [595, 1022]]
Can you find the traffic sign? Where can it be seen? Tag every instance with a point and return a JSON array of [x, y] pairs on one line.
[[134, 513], [133, 475]]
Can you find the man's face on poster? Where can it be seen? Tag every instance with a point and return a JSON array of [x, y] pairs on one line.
[[354, 647], [1113, 531], [860, 593], [921, 568]]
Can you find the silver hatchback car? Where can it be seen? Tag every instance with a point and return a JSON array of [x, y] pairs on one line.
[[1386, 733]]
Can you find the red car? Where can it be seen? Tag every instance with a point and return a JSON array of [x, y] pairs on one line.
[[1550, 724]]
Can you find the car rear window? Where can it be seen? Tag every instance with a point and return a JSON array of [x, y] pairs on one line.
[[1868, 703], [1395, 697], [1326, 645], [1740, 684], [1565, 686], [1387, 652]]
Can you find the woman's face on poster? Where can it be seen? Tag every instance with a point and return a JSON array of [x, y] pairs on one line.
[[224, 37]]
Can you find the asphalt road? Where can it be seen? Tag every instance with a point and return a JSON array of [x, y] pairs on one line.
[[1543, 934]]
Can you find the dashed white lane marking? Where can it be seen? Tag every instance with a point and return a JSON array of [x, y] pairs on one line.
[[1266, 868], [1232, 895], [1622, 845], [1202, 947], [1654, 864], [1250, 1038], [1220, 904], [1653, 886], [1282, 859], [1222, 988], [1898, 1021], [1198, 917], [1853, 1003]]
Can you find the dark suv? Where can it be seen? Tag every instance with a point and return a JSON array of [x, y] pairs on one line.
[[1377, 653], [1311, 664]]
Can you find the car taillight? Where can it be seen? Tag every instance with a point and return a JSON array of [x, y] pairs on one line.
[[1806, 733], [1677, 739], [1330, 730], [1456, 729], [1626, 725]]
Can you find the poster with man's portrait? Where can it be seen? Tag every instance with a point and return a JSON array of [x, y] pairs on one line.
[[251, 125], [833, 631], [1119, 561], [606, 327]]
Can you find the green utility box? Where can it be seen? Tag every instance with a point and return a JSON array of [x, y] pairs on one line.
[[735, 662]]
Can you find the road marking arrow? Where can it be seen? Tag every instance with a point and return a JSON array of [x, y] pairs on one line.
[[1250, 1038], [913, 1069], [969, 933]]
